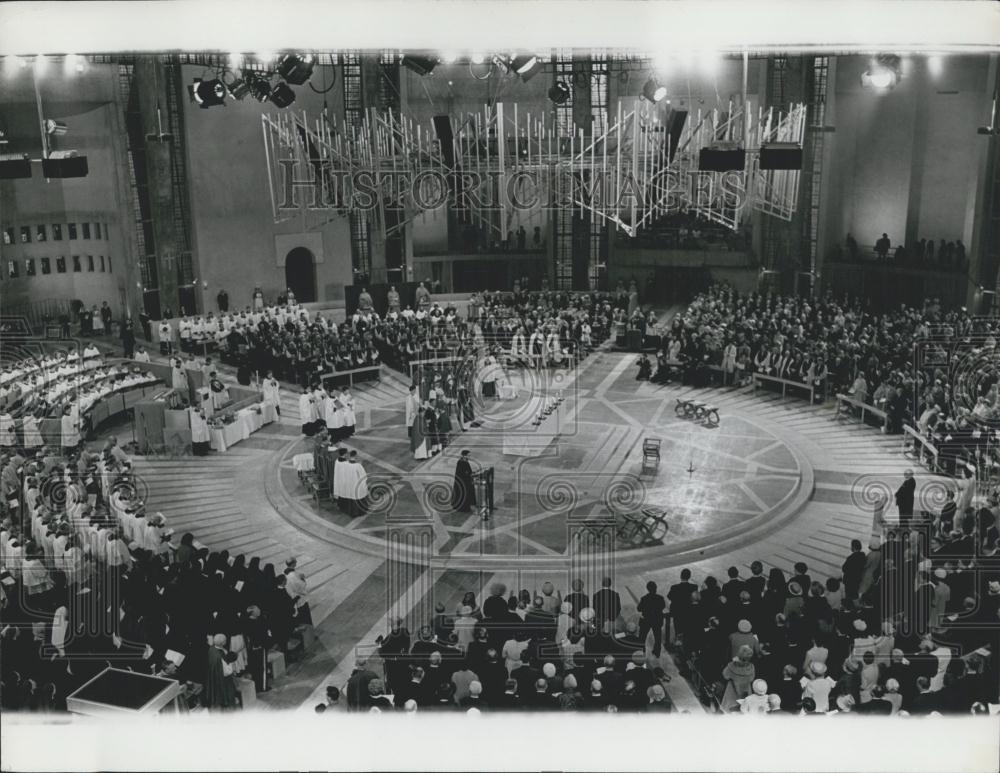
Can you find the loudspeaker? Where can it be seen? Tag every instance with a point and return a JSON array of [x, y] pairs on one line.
[[719, 160], [15, 168], [282, 95], [780, 156], [675, 125], [74, 166], [445, 135]]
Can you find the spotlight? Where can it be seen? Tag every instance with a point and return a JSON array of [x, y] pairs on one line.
[[449, 57], [296, 69], [73, 63], [209, 93], [883, 74], [526, 66], [235, 60], [560, 93], [282, 95], [478, 58], [258, 87], [55, 128], [935, 65], [421, 65], [41, 64], [653, 91]]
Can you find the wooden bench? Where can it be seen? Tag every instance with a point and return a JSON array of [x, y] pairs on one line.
[[843, 399], [785, 383]]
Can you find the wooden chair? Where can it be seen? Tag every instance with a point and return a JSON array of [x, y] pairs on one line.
[[650, 454]]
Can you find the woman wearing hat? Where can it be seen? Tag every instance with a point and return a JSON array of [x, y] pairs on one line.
[[739, 675]]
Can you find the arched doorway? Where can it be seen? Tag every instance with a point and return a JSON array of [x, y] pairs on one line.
[[300, 274]]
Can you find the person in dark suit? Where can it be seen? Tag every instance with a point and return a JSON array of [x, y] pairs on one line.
[[732, 588], [540, 698], [679, 597], [651, 607], [509, 700], [611, 680], [904, 498], [525, 676], [607, 603], [578, 599], [853, 569], [541, 624], [925, 701]]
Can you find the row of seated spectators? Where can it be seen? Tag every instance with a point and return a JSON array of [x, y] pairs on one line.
[[846, 347], [897, 632], [45, 379], [90, 579]]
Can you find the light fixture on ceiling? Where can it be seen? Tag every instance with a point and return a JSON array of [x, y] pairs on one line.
[[883, 73], [653, 91], [296, 68], [526, 66], [560, 93], [209, 93]]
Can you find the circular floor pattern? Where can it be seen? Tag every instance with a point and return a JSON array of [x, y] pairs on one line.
[[719, 486]]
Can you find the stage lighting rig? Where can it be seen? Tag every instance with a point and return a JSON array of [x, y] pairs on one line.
[[208, 93], [296, 69]]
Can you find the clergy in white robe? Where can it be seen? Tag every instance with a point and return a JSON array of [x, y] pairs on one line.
[[8, 435], [347, 403], [340, 480], [335, 417], [201, 438], [307, 412], [69, 431], [355, 481], [32, 434], [178, 377], [271, 390], [412, 410], [218, 390]]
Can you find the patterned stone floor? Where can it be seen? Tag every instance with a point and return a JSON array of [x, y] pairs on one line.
[[800, 477]]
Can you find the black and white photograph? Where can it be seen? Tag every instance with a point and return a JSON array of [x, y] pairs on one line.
[[528, 385]]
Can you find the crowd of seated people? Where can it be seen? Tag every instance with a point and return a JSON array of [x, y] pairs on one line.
[[55, 386], [841, 346], [525, 651], [91, 579], [947, 255], [905, 628]]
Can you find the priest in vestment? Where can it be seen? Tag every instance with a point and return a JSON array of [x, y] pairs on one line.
[[463, 493], [335, 416], [201, 438], [270, 388], [307, 410], [419, 442], [340, 480], [356, 486], [220, 393], [70, 430], [350, 420], [412, 411]]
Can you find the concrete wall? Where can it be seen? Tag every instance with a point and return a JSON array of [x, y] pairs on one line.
[[237, 243], [85, 102], [904, 162]]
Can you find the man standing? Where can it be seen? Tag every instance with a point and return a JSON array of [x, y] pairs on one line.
[[904, 498], [651, 607], [463, 493], [853, 570], [412, 410], [223, 300], [607, 604], [128, 339]]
